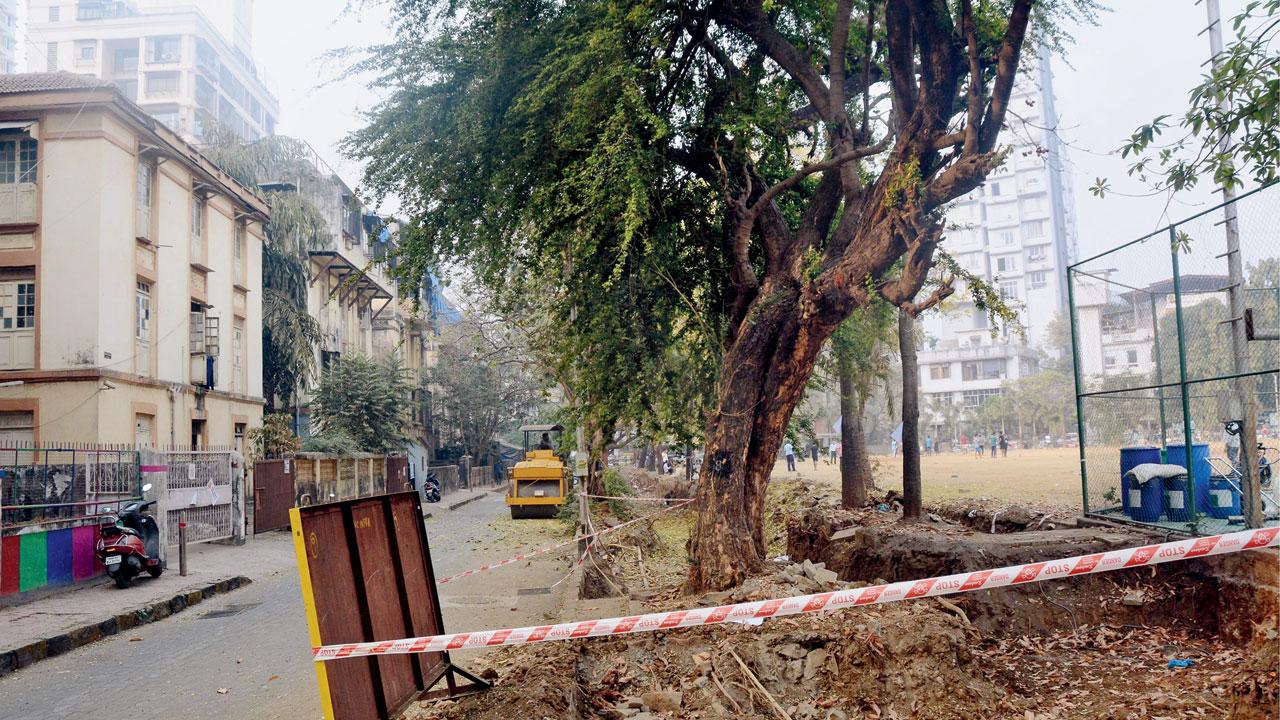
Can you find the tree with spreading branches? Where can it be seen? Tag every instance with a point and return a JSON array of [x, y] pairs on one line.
[[734, 176]]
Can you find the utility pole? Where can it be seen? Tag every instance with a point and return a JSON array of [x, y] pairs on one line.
[[1252, 498]]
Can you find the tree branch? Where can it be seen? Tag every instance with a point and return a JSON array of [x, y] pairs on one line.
[[749, 17], [900, 56], [1006, 70], [839, 45], [817, 167], [975, 78]]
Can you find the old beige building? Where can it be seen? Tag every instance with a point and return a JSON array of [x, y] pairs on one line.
[[130, 275]]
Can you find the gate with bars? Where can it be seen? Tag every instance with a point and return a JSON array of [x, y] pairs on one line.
[[204, 490]]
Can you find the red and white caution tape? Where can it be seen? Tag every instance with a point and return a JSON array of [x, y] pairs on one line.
[[875, 594], [645, 498], [557, 546]]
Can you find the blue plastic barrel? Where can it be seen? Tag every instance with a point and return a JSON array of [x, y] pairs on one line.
[[1175, 500], [1131, 457], [1200, 470], [1146, 500], [1224, 498]]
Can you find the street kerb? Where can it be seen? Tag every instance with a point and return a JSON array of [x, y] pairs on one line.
[[366, 576], [752, 613]]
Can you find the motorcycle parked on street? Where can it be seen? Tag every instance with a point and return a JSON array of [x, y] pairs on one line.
[[431, 488], [129, 544]]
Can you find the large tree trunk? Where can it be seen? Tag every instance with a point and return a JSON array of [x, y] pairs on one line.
[[911, 493], [855, 466], [765, 372]]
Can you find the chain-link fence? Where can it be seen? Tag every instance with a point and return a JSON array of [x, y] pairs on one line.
[[1152, 329]]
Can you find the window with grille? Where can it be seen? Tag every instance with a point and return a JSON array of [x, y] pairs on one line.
[[142, 195], [197, 229], [55, 13], [166, 49], [1039, 279], [162, 83], [17, 305], [940, 372], [142, 312], [51, 56], [17, 161]]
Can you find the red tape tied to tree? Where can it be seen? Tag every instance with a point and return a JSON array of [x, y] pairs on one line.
[[752, 612]]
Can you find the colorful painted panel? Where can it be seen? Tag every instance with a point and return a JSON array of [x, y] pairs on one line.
[[8, 565], [57, 557], [85, 563]]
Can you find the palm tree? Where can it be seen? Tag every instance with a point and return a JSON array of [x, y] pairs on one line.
[[290, 335]]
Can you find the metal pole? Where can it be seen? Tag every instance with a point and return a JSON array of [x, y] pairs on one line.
[[1155, 333], [1075, 364], [1252, 495], [182, 549], [1182, 377]]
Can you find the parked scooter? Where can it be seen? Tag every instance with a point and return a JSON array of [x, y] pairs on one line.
[[130, 543], [431, 488]]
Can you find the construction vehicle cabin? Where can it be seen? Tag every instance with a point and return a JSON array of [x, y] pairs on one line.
[[538, 482]]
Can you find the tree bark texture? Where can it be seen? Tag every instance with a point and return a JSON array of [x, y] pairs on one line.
[[855, 466], [852, 242], [911, 492]]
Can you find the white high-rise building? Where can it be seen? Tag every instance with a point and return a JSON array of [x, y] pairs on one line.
[[188, 63], [9, 36], [1017, 232]]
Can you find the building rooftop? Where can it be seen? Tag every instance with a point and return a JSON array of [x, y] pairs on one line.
[[41, 82]]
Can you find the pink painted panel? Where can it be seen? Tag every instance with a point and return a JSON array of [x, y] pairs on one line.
[[84, 554]]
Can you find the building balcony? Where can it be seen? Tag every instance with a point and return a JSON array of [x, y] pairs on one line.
[[980, 352]]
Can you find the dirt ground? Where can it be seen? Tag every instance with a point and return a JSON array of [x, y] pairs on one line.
[[924, 659], [1050, 475]]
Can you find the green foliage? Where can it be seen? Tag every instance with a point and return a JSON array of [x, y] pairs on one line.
[[290, 335], [483, 390], [1236, 102], [332, 442], [274, 438], [364, 398], [903, 184]]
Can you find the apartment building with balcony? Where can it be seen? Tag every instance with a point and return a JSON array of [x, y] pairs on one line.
[[1017, 233], [9, 36], [130, 275], [187, 63]]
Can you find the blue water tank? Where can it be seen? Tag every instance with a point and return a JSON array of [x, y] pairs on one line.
[[1146, 500], [1224, 498], [1131, 457], [1176, 454]]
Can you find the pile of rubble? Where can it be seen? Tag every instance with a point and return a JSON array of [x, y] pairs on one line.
[[885, 661]]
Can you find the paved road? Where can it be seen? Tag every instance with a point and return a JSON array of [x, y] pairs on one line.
[[258, 651]]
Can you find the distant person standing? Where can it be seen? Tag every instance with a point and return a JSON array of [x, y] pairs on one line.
[[928, 445], [992, 444], [893, 447], [790, 451], [1004, 444], [977, 444], [834, 448], [813, 453], [1232, 441]]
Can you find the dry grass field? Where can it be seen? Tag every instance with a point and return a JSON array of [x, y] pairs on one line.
[[1050, 476]]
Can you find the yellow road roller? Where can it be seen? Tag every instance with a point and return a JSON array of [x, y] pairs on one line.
[[538, 482]]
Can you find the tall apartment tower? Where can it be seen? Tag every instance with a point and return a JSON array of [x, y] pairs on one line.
[[1018, 233], [9, 36], [188, 63]]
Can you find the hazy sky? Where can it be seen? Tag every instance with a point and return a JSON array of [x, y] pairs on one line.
[[1139, 62]]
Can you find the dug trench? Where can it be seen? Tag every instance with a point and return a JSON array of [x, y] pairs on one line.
[[1092, 647]]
